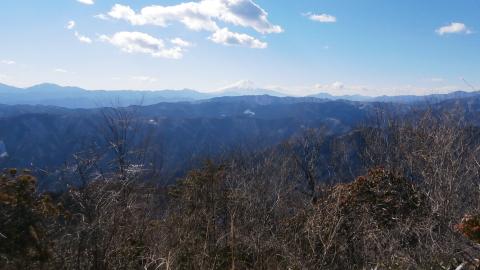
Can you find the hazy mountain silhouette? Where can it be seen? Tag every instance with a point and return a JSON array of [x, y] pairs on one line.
[[75, 97]]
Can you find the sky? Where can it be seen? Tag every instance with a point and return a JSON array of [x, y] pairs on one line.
[[300, 47]]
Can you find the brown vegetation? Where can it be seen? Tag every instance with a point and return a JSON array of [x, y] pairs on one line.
[[267, 210]]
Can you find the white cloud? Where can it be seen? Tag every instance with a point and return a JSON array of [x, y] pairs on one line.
[[137, 42], [337, 88], [454, 28], [330, 87], [338, 85], [144, 79], [60, 70], [225, 37], [245, 13], [323, 18], [70, 25], [102, 17], [83, 39], [86, 2], [8, 62], [202, 15], [180, 42], [190, 14]]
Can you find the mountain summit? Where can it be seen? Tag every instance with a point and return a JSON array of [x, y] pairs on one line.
[[247, 88]]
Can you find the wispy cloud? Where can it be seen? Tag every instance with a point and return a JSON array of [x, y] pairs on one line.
[[225, 37], [86, 2], [60, 70], [180, 42], [102, 17], [8, 62], [323, 18], [138, 42], [82, 38], [336, 86], [144, 79], [454, 28], [70, 25]]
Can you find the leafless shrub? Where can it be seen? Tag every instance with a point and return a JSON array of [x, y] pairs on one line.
[[280, 208]]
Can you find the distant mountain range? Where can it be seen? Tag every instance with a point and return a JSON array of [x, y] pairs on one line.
[[182, 134], [74, 97], [401, 99]]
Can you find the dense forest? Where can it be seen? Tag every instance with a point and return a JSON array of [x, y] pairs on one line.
[[390, 193]]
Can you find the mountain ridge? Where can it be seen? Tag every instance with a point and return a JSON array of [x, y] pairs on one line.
[[50, 94]]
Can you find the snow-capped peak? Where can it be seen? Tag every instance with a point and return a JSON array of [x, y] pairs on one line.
[[240, 85]]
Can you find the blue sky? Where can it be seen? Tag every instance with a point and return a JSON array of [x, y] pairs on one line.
[[369, 47]]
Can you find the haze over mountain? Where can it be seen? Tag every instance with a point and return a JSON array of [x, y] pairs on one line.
[[75, 97], [182, 133]]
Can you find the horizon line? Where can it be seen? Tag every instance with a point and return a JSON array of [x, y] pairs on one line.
[[225, 90]]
